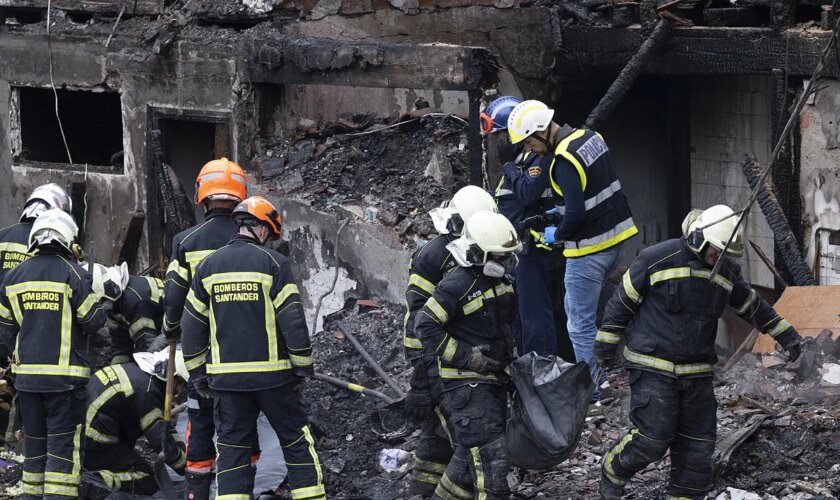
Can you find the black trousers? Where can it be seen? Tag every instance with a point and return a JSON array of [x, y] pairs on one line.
[[119, 468], [667, 412], [435, 449], [201, 429], [477, 415], [236, 414], [53, 427]]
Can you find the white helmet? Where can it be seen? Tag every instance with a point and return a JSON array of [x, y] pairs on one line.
[[155, 363], [710, 229], [45, 197], [689, 220], [53, 227], [527, 118], [468, 201], [109, 282], [488, 232]]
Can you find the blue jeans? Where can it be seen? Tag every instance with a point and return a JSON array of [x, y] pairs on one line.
[[584, 278]]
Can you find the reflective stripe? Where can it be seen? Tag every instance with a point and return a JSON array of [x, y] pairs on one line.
[[309, 492], [613, 453], [455, 490], [155, 288], [607, 337], [425, 477], [86, 306], [421, 283], [473, 305], [780, 327], [64, 491], [480, 488], [200, 307], [665, 365], [5, 313], [307, 436], [412, 343], [428, 466], [686, 272], [284, 294], [195, 257], [450, 350], [300, 360], [150, 418], [457, 373], [437, 309], [622, 231], [195, 362], [562, 149], [32, 489], [503, 192], [630, 290], [33, 477], [139, 325], [235, 277], [175, 267], [599, 198], [192, 404], [249, 367], [64, 371], [747, 303], [60, 477], [8, 246]]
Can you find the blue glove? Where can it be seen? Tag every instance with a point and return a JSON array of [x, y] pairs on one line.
[[548, 236]]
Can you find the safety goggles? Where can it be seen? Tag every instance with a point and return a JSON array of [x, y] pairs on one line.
[[488, 126]]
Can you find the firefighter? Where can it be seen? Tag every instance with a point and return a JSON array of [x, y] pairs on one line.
[[524, 193], [48, 310], [596, 218], [126, 402], [667, 311], [134, 307], [429, 265], [246, 342], [467, 324], [220, 186], [14, 242]]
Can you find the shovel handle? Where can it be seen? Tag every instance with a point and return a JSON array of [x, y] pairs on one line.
[[170, 385]]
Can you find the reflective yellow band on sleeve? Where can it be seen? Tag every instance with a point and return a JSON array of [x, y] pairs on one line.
[[746, 305], [300, 360], [175, 267], [412, 343], [199, 306], [86, 306], [311, 492], [450, 350], [437, 310], [670, 274], [5, 313], [607, 337], [630, 290], [150, 418], [195, 362], [780, 327], [456, 373], [421, 283], [284, 294], [139, 325]]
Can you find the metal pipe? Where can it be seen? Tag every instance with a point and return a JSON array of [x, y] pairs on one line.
[[353, 387], [372, 362]]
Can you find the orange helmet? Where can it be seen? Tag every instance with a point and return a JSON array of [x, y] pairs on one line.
[[257, 210], [220, 179]]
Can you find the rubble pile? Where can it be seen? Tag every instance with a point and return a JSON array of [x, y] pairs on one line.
[[389, 174], [352, 430]]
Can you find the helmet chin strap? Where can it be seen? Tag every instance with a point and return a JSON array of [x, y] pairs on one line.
[[262, 241]]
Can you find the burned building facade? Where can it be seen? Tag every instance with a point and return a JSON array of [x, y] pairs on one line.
[[140, 84]]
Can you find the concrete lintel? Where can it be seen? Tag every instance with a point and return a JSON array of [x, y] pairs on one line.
[[24, 60], [321, 61], [694, 51]]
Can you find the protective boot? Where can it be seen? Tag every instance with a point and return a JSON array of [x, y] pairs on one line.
[[198, 486], [609, 490]]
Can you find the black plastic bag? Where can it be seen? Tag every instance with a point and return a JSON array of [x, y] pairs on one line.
[[548, 411]]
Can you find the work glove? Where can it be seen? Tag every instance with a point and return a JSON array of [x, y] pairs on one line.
[[299, 385], [172, 335], [174, 454], [418, 404], [202, 387], [605, 364], [478, 362], [505, 151], [794, 352], [549, 235]]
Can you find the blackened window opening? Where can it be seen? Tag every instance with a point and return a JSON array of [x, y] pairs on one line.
[[92, 123]]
